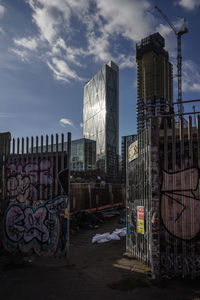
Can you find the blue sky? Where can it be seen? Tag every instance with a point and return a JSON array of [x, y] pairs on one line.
[[50, 48]]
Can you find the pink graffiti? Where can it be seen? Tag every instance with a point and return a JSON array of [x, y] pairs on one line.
[[26, 180], [38, 172]]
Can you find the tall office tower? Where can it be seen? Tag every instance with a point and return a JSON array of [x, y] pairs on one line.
[[101, 116], [154, 79]]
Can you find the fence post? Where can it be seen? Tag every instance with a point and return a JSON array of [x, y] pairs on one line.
[[155, 198], [68, 166], [5, 139]]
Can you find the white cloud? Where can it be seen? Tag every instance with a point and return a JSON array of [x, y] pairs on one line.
[[64, 122], [191, 76], [29, 43], [126, 19], [99, 47], [189, 4], [4, 115], [23, 55], [81, 124], [61, 70], [2, 10], [52, 18], [126, 61], [101, 24], [129, 18]]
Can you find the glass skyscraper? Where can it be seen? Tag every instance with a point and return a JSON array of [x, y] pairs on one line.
[[101, 116]]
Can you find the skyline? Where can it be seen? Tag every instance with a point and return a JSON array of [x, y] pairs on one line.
[[49, 49]]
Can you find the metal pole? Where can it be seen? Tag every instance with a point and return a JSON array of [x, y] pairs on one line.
[[68, 205]]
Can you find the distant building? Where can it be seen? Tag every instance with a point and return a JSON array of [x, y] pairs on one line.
[[125, 142], [83, 153], [154, 79], [101, 117]]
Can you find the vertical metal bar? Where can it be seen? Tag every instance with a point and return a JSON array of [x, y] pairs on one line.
[[52, 143], [27, 145], [174, 149], [36, 144], [18, 145], [62, 156], [32, 144], [41, 144], [47, 144], [52, 188], [191, 206], [182, 198], [56, 142], [165, 204], [155, 196], [62, 142], [198, 139], [68, 166], [37, 160], [147, 210], [126, 193], [13, 146], [22, 145], [56, 165]]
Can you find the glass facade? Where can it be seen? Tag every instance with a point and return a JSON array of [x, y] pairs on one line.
[[83, 153], [101, 117]]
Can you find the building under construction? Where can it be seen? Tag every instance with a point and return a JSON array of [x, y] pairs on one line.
[[154, 79]]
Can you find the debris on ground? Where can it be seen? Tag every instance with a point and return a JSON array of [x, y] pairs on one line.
[[89, 220], [106, 237], [93, 219]]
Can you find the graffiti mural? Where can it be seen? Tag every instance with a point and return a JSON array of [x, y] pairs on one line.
[[36, 214], [39, 225], [180, 202], [173, 262], [27, 181], [179, 209]]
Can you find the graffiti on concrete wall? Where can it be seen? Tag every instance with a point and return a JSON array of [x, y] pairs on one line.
[[180, 202], [35, 219], [179, 262], [28, 181], [32, 227], [24, 224]]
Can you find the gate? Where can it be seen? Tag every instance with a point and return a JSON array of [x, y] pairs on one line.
[[36, 189], [163, 203]]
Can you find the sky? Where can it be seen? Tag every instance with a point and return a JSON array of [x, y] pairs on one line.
[[50, 48]]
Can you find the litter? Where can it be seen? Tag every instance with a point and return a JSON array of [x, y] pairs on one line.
[[106, 237]]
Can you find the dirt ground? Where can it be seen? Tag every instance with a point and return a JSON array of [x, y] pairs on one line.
[[91, 273]]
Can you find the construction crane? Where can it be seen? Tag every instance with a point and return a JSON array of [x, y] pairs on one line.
[[178, 33]]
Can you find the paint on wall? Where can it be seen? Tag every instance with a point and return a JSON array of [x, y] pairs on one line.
[[29, 181], [33, 227], [35, 218]]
